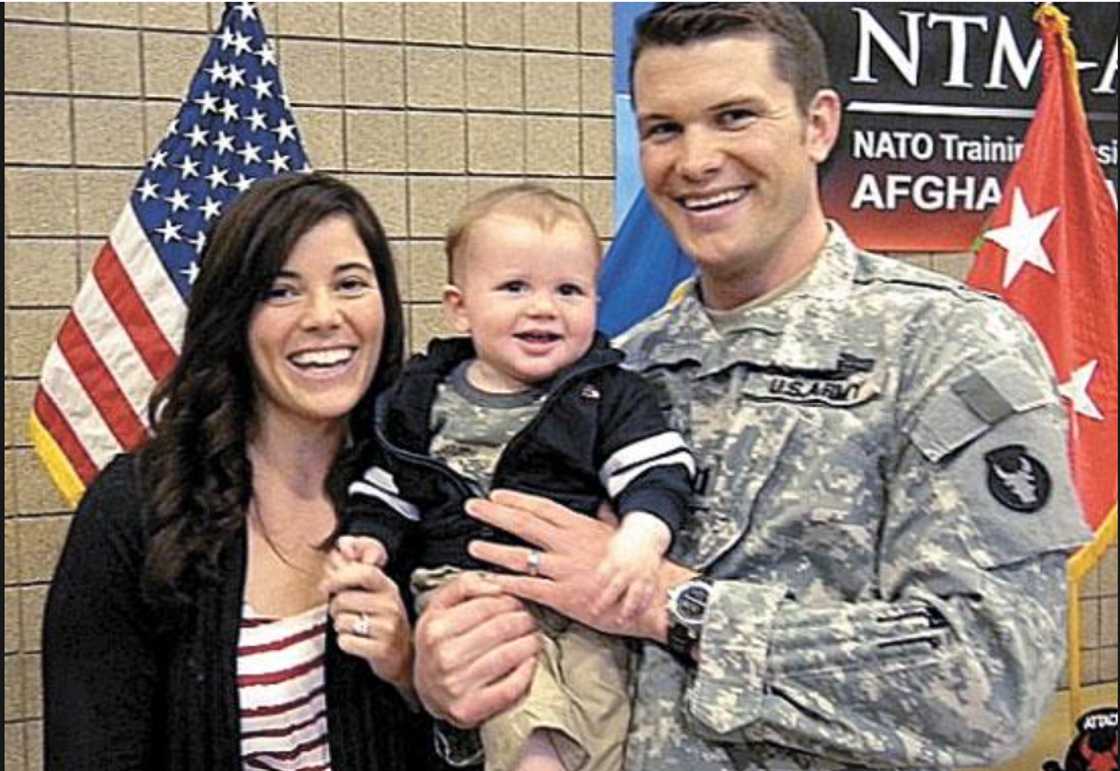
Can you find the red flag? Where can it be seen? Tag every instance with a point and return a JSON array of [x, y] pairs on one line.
[[1050, 250]]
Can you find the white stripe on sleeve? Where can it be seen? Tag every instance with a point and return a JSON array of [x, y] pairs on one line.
[[378, 483], [629, 462]]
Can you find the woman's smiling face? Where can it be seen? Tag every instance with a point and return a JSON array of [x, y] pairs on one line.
[[315, 335]]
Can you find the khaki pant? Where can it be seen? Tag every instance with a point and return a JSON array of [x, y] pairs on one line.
[[579, 693]]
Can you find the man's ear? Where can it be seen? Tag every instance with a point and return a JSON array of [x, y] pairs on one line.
[[822, 124], [454, 309]]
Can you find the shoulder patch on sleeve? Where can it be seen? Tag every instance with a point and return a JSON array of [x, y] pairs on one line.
[[1017, 479]]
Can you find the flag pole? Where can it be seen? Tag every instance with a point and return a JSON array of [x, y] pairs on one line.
[[1073, 655], [1077, 567]]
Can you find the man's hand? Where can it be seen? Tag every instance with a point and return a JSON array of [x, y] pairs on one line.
[[475, 651], [573, 546]]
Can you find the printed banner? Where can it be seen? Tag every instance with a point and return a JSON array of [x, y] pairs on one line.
[[937, 100]]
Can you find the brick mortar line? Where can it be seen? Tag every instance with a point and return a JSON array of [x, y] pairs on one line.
[[341, 38], [144, 99]]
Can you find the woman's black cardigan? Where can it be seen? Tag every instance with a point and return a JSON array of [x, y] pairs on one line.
[[124, 689]]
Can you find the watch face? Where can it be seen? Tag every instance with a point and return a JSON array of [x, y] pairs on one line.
[[692, 602]]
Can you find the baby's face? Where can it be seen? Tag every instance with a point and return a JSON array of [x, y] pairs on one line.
[[527, 298]]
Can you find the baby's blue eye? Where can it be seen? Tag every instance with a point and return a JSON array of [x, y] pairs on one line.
[[661, 130]]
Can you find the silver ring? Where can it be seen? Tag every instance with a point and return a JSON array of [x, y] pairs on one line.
[[533, 563], [361, 626]]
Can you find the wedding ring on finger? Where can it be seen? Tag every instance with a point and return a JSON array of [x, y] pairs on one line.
[[361, 626], [533, 563]]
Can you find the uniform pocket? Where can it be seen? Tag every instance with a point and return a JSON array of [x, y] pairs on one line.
[[740, 456]]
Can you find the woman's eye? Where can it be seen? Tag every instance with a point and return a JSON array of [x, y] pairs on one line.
[[278, 293], [354, 285]]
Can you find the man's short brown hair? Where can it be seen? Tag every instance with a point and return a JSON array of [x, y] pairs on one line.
[[799, 56], [535, 203]]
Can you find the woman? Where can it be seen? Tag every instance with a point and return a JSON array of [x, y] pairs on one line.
[[186, 626]]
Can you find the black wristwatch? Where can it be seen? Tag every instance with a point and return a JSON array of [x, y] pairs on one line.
[[688, 610], [457, 747]]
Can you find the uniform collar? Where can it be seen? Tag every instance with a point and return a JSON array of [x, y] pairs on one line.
[[802, 329]]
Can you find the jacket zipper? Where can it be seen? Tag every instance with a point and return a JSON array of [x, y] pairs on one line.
[[467, 490], [550, 400]]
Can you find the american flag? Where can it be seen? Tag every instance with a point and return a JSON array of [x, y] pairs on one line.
[[123, 332]]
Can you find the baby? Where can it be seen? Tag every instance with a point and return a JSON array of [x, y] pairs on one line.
[[533, 400]]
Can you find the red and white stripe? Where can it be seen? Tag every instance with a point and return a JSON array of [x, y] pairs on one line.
[[281, 689], [121, 336]]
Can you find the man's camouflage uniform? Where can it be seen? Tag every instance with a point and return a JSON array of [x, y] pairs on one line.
[[885, 517]]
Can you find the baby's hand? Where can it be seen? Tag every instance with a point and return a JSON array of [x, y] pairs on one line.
[[629, 573], [363, 549]]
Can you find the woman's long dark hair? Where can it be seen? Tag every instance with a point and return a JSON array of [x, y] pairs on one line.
[[195, 468]]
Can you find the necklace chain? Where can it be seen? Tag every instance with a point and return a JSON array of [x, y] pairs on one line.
[[286, 555]]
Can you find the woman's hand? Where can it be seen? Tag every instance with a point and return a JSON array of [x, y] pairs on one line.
[[572, 548], [367, 612], [475, 651]]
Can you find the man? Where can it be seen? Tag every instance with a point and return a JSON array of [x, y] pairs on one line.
[[875, 573]]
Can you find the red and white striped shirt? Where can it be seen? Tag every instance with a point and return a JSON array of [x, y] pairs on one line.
[[281, 689]]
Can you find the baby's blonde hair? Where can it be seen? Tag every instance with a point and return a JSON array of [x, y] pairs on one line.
[[536, 203]]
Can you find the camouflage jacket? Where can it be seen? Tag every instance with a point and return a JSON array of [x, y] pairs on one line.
[[885, 518]]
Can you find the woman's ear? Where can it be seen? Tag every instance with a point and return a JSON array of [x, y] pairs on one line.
[[455, 309]]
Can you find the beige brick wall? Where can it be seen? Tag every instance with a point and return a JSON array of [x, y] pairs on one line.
[[419, 105]]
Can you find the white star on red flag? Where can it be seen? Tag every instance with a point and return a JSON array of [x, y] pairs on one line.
[[1076, 389], [1022, 238]]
